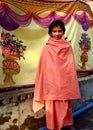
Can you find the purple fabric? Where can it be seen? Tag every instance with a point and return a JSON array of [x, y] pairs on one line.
[[22, 20], [83, 19], [8, 23], [45, 22], [9, 20]]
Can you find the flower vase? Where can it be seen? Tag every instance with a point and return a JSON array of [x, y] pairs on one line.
[[10, 67], [84, 59], [8, 80]]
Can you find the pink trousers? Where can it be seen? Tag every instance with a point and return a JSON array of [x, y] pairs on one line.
[[58, 114]]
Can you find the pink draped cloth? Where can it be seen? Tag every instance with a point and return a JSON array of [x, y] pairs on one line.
[[56, 82], [58, 114]]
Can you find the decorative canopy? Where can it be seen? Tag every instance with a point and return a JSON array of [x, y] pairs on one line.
[[29, 19], [10, 19]]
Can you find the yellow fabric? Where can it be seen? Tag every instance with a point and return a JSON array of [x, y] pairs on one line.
[[39, 7], [35, 38]]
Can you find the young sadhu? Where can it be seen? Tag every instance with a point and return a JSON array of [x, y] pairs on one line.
[[56, 81]]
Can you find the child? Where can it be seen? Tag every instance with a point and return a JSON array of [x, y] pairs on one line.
[[56, 80]]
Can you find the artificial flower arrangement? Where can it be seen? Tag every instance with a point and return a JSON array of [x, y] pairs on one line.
[[12, 46], [12, 50], [85, 43]]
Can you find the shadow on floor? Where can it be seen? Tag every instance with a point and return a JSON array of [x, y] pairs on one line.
[[84, 121]]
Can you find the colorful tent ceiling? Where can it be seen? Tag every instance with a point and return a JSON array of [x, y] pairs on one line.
[[10, 20]]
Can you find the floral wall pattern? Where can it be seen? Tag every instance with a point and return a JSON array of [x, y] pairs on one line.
[[29, 20], [85, 46], [12, 50]]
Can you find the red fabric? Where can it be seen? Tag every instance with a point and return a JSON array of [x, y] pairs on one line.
[[56, 76]]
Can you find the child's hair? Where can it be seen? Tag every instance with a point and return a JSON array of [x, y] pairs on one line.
[[55, 24]]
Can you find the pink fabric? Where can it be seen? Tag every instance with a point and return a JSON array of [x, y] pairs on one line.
[[56, 76], [58, 114]]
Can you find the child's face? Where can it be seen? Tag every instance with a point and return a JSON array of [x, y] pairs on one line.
[[57, 33]]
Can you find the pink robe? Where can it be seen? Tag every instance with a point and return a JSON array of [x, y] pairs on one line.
[[56, 77]]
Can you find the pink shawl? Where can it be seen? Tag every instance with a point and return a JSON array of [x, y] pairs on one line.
[[56, 77]]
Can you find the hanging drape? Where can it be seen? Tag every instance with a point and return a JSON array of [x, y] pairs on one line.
[[30, 26], [10, 20]]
